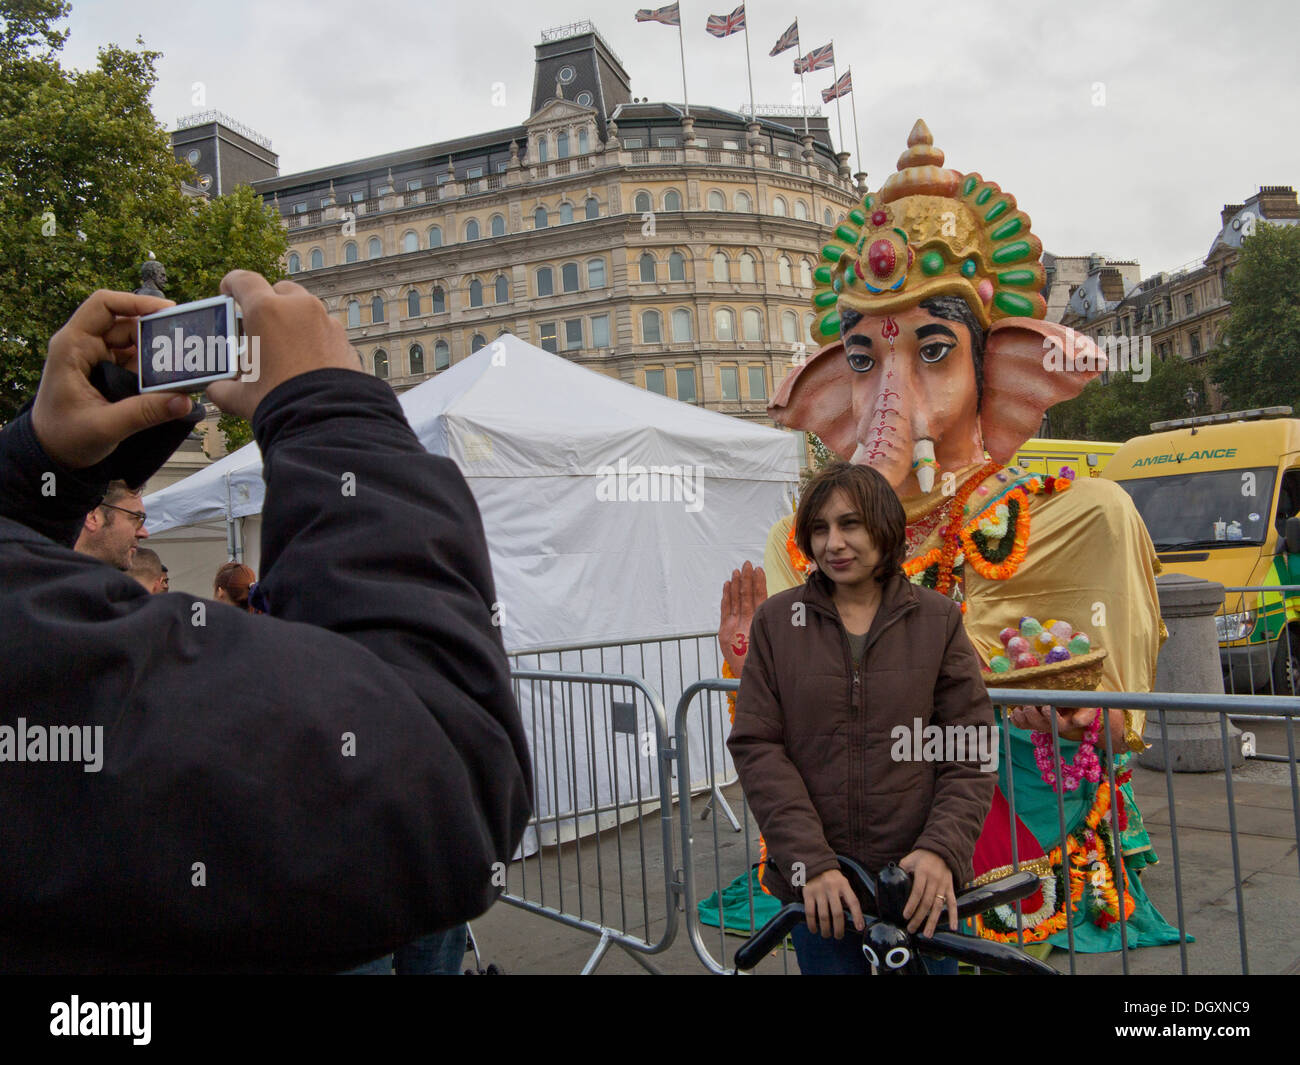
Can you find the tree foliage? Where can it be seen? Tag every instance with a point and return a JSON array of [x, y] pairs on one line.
[[89, 186], [1258, 359]]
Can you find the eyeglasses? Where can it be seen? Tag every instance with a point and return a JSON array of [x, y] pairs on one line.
[[136, 515]]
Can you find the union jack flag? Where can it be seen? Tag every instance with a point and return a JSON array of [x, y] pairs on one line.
[[841, 88], [726, 25], [817, 59], [789, 39], [669, 16]]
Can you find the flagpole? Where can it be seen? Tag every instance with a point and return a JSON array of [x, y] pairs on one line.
[[853, 99], [753, 116], [838, 113], [682, 45], [803, 91]]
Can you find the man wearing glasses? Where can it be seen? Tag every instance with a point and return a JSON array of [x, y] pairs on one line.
[[111, 530]]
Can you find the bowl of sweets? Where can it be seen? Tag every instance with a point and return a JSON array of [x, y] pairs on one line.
[[1050, 654]]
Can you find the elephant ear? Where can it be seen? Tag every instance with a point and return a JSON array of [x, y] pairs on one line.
[[1025, 373], [817, 397]]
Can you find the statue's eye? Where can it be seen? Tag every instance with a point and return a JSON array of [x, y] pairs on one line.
[[860, 361], [870, 955], [898, 957], [936, 351]]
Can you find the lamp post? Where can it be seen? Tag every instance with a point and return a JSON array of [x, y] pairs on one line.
[[1190, 397]]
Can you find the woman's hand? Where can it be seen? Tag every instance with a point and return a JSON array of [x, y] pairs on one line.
[[932, 891], [824, 897], [1071, 724]]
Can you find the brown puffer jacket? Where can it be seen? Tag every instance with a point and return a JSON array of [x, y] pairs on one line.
[[812, 739]]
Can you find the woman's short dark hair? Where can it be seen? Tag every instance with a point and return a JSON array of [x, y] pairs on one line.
[[875, 501]]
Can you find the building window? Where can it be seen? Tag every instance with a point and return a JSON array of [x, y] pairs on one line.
[[317, 259], [435, 236], [1196, 343], [375, 248], [501, 289], [730, 384], [377, 309], [720, 269], [641, 202], [384, 190], [573, 334], [326, 201], [410, 242], [633, 142], [546, 337], [566, 213], [783, 271], [354, 314], [757, 383], [672, 200], [805, 273], [542, 152], [724, 324], [471, 229], [193, 156], [753, 325], [676, 267], [747, 264], [686, 384], [476, 293], [801, 210], [569, 277], [595, 273], [416, 358], [600, 331], [582, 133], [295, 263], [647, 264], [779, 207], [1189, 303], [743, 202], [545, 282], [593, 207], [443, 179], [441, 355], [349, 252], [827, 217], [650, 333], [681, 326], [439, 300], [358, 197], [381, 364], [413, 185], [666, 142], [654, 382], [561, 146], [498, 225], [539, 218], [413, 304], [731, 146], [717, 202], [790, 327], [476, 342], [567, 74]]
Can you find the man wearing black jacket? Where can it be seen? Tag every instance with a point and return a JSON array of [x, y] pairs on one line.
[[296, 792]]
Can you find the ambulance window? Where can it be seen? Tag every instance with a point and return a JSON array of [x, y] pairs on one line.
[[1288, 500]]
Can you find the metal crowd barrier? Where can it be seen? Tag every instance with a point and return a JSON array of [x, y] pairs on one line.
[[724, 860], [1254, 666], [601, 760]]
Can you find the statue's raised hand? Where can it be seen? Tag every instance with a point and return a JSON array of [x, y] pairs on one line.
[[741, 596]]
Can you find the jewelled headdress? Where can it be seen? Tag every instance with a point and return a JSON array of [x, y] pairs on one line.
[[930, 231]]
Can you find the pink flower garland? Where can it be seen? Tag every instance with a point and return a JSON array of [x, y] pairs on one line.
[[1086, 765]]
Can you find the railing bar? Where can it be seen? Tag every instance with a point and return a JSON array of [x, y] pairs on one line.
[[1236, 856], [1173, 837]]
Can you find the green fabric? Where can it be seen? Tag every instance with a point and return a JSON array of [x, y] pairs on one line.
[[735, 906], [1036, 806]]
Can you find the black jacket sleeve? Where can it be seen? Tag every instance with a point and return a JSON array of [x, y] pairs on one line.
[[296, 792]]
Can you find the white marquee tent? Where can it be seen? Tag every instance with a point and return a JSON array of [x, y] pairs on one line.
[[612, 514]]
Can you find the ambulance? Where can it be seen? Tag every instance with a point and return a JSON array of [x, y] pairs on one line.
[[1051, 457], [1219, 495]]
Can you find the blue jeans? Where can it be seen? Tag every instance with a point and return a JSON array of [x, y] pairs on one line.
[[844, 957], [437, 954]]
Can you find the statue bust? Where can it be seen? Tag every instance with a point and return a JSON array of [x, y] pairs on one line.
[[153, 278]]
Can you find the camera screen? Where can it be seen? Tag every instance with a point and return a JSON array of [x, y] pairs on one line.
[[184, 347]]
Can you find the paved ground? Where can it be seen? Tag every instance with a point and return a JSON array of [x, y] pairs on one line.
[[585, 879]]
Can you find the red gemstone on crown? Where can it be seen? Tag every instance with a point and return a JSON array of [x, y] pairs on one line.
[[882, 258], [879, 218]]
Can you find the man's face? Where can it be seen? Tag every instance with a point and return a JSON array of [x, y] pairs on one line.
[[116, 534], [913, 379]]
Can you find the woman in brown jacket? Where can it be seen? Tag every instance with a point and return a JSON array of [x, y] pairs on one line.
[[853, 684]]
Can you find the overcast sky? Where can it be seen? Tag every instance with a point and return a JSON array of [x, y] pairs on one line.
[[1200, 102]]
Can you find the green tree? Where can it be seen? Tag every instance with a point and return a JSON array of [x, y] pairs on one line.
[[89, 186], [1258, 357]]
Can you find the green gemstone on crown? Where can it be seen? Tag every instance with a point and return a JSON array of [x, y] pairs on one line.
[[849, 236], [829, 326], [996, 211], [822, 275], [901, 234], [984, 196], [857, 217], [837, 284], [967, 185], [1011, 252], [1009, 228], [867, 201], [968, 268], [931, 263], [832, 252], [1016, 277], [1013, 303], [825, 299]]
